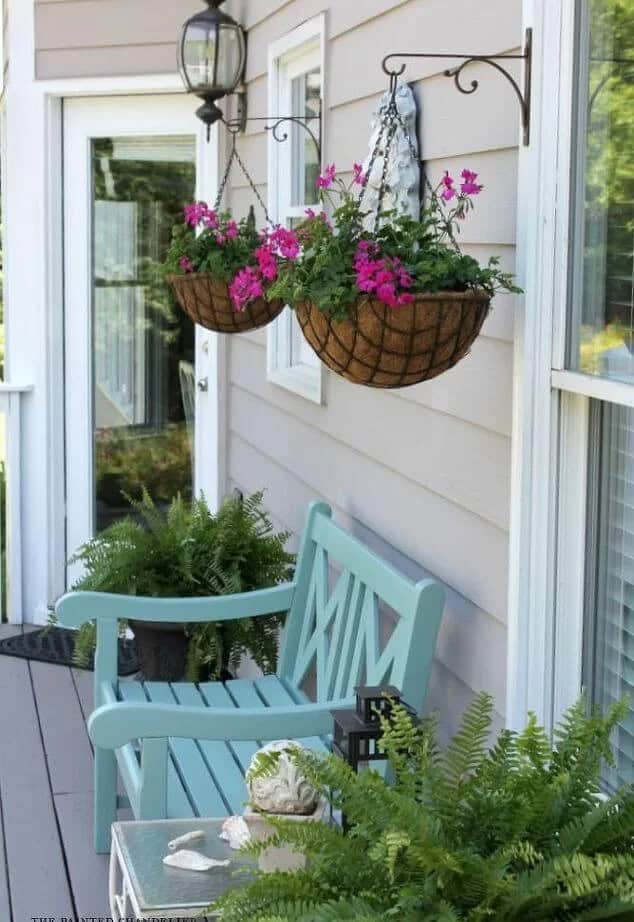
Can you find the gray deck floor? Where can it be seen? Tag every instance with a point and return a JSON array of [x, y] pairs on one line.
[[48, 868]]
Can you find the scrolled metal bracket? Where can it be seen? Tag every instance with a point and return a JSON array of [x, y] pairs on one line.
[[523, 95], [275, 123]]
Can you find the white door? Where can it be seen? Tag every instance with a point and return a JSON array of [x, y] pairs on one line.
[[141, 379]]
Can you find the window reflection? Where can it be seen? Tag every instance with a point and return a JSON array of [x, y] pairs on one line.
[[143, 345], [603, 308]]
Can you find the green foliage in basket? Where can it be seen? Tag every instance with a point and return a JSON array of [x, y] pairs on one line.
[[186, 551], [514, 833], [343, 261], [211, 241]]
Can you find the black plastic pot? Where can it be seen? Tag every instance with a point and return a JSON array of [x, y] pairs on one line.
[[161, 650]]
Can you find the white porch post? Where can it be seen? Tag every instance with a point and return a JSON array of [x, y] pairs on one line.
[[31, 185]]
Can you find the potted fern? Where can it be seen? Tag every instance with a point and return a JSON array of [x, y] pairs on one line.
[[183, 551], [514, 833]]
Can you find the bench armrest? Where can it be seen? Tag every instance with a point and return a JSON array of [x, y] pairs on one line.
[[75, 608], [113, 725]]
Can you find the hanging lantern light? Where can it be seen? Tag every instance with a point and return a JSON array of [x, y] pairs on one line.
[[211, 58]]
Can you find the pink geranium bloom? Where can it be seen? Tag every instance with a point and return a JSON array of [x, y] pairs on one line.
[[359, 176], [327, 178], [195, 213], [231, 230], [245, 287], [186, 264], [210, 218], [285, 242], [469, 186], [310, 213], [448, 192], [267, 263]]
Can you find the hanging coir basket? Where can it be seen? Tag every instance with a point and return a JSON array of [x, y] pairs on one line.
[[381, 346], [206, 300]]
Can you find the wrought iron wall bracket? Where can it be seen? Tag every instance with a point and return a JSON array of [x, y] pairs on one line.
[[523, 94], [275, 123]]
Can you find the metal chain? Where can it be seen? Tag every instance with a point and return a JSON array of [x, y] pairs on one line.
[[390, 120], [236, 156]]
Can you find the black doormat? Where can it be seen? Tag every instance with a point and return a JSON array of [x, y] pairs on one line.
[[57, 644]]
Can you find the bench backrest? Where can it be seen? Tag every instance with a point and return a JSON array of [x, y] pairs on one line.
[[335, 634]]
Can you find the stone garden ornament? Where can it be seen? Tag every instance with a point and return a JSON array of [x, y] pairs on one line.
[[285, 792], [402, 173]]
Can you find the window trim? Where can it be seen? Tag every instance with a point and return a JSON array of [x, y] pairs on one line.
[[306, 381], [537, 595], [551, 405]]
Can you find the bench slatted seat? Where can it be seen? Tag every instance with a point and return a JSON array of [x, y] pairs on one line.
[[182, 749]]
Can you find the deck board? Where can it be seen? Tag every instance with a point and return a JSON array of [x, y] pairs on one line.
[[65, 739], [34, 856], [88, 871]]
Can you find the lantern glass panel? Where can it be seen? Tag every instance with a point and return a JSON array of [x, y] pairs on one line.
[[199, 55], [230, 56]]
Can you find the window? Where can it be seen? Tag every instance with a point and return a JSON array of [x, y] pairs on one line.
[[295, 88], [572, 571]]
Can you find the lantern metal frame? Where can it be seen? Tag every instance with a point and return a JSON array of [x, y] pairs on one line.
[[209, 113], [523, 94]]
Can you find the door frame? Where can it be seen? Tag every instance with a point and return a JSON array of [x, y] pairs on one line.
[[34, 325], [124, 116]]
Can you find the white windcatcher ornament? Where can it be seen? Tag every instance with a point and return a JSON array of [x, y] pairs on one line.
[[395, 185]]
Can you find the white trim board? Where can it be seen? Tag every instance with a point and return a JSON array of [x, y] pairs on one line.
[[298, 51], [543, 242]]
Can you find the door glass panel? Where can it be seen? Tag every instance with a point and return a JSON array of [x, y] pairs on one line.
[[609, 640], [143, 345], [602, 341]]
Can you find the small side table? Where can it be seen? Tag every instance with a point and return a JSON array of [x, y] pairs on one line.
[[142, 886]]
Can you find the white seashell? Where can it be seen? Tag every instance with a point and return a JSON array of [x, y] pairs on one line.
[[197, 835], [286, 792], [187, 860], [235, 831]]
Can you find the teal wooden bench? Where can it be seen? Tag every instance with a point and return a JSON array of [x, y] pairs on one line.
[[182, 749]]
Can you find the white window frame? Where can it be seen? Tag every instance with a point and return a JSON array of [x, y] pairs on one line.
[[290, 56], [551, 404]]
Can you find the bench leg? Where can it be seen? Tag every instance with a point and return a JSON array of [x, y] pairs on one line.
[[105, 797], [153, 793]]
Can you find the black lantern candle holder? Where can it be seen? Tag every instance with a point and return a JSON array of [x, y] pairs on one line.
[[357, 731]]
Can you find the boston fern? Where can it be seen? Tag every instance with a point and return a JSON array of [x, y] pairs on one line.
[[186, 551], [472, 834]]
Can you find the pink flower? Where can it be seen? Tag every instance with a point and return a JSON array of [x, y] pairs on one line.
[[210, 218], [220, 238], [310, 213], [231, 230], [267, 263], [448, 191], [285, 242], [186, 264], [469, 186], [194, 213], [245, 287], [327, 178], [359, 176], [386, 278]]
